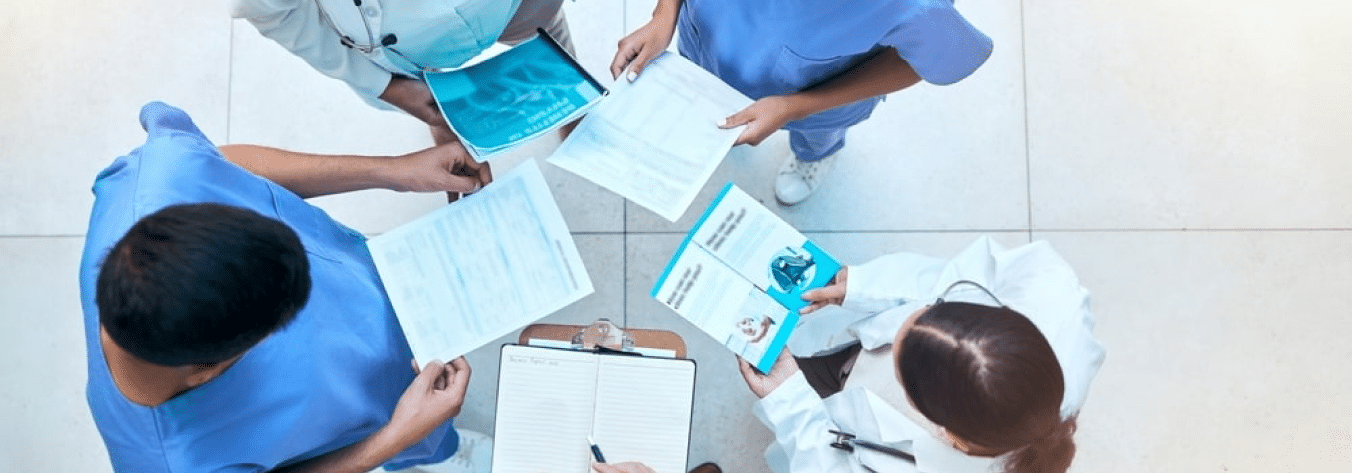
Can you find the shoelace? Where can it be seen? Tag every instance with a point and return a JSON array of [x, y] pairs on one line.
[[807, 170]]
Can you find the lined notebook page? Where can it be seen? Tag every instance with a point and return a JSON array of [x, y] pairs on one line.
[[643, 408], [545, 410]]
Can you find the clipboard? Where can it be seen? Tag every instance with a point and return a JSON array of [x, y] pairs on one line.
[[550, 400], [644, 338]]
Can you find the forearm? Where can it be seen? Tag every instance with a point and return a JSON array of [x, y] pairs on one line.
[[667, 10], [801, 426], [360, 457], [891, 280], [311, 175], [883, 73]]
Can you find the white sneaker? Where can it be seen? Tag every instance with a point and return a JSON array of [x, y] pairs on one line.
[[475, 455], [799, 179]]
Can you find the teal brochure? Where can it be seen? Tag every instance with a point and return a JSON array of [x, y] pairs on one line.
[[522, 93], [740, 275]]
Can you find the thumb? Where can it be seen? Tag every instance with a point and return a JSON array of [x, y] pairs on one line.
[[824, 294], [461, 184], [430, 372], [748, 372], [641, 62]]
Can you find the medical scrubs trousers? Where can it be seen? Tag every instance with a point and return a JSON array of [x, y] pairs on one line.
[[773, 48], [328, 379]]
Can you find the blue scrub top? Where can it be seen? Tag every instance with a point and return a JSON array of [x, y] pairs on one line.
[[328, 379], [783, 46]]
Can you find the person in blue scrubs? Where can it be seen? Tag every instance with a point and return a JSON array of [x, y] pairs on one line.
[[232, 327], [814, 67]]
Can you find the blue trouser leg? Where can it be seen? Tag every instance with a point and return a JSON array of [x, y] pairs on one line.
[[813, 145]]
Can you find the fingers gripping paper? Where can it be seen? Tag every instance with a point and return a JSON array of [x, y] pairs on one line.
[[656, 140]]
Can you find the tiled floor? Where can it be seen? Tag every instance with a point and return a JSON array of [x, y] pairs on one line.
[[1189, 159]]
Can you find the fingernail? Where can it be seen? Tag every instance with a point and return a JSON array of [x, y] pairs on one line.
[[633, 75]]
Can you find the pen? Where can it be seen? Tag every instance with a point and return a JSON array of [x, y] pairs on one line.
[[596, 451]]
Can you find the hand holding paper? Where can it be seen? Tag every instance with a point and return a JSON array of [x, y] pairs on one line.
[[762, 384], [440, 168], [655, 141], [741, 274], [468, 273], [831, 294], [435, 396], [762, 119]]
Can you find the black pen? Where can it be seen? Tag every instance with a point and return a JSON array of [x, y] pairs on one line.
[[596, 451]]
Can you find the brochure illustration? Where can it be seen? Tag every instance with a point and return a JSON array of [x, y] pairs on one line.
[[740, 275], [524, 92]]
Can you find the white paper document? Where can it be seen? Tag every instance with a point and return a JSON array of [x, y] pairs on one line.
[[636, 408], [468, 273], [656, 140]]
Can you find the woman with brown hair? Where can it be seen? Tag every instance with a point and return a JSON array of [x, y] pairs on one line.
[[976, 364]]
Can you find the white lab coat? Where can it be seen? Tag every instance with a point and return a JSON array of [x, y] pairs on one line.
[[459, 30], [1031, 279]]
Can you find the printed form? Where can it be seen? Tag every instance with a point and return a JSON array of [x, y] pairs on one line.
[[656, 140], [468, 273]]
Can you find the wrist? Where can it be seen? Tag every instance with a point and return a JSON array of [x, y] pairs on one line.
[[798, 106], [383, 445], [388, 173]]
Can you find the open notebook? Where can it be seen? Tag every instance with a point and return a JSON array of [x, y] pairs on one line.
[[636, 408]]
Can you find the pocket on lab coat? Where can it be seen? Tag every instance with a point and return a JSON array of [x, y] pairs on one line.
[[446, 40], [486, 18]]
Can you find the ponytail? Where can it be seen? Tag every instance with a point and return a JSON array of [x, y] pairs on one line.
[[1051, 454]]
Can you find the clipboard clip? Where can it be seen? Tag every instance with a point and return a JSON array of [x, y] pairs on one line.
[[603, 336]]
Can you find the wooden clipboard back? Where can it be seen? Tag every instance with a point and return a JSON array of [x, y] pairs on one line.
[[649, 338]]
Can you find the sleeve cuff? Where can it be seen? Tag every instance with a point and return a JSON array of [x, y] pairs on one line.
[[785, 401]]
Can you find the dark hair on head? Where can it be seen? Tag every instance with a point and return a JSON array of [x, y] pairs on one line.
[[200, 284], [988, 376]]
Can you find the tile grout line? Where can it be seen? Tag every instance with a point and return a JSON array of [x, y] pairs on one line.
[[624, 258], [1027, 147]]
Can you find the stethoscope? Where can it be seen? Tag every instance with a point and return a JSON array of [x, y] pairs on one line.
[[848, 442], [386, 42]]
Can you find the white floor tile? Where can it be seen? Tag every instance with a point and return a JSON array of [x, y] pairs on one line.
[[1209, 114], [77, 75], [47, 421], [1225, 350], [596, 25]]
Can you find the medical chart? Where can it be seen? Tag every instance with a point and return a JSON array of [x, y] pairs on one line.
[[517, 95], [740, 275], [468, 273], [656, 140], [550, 400]]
